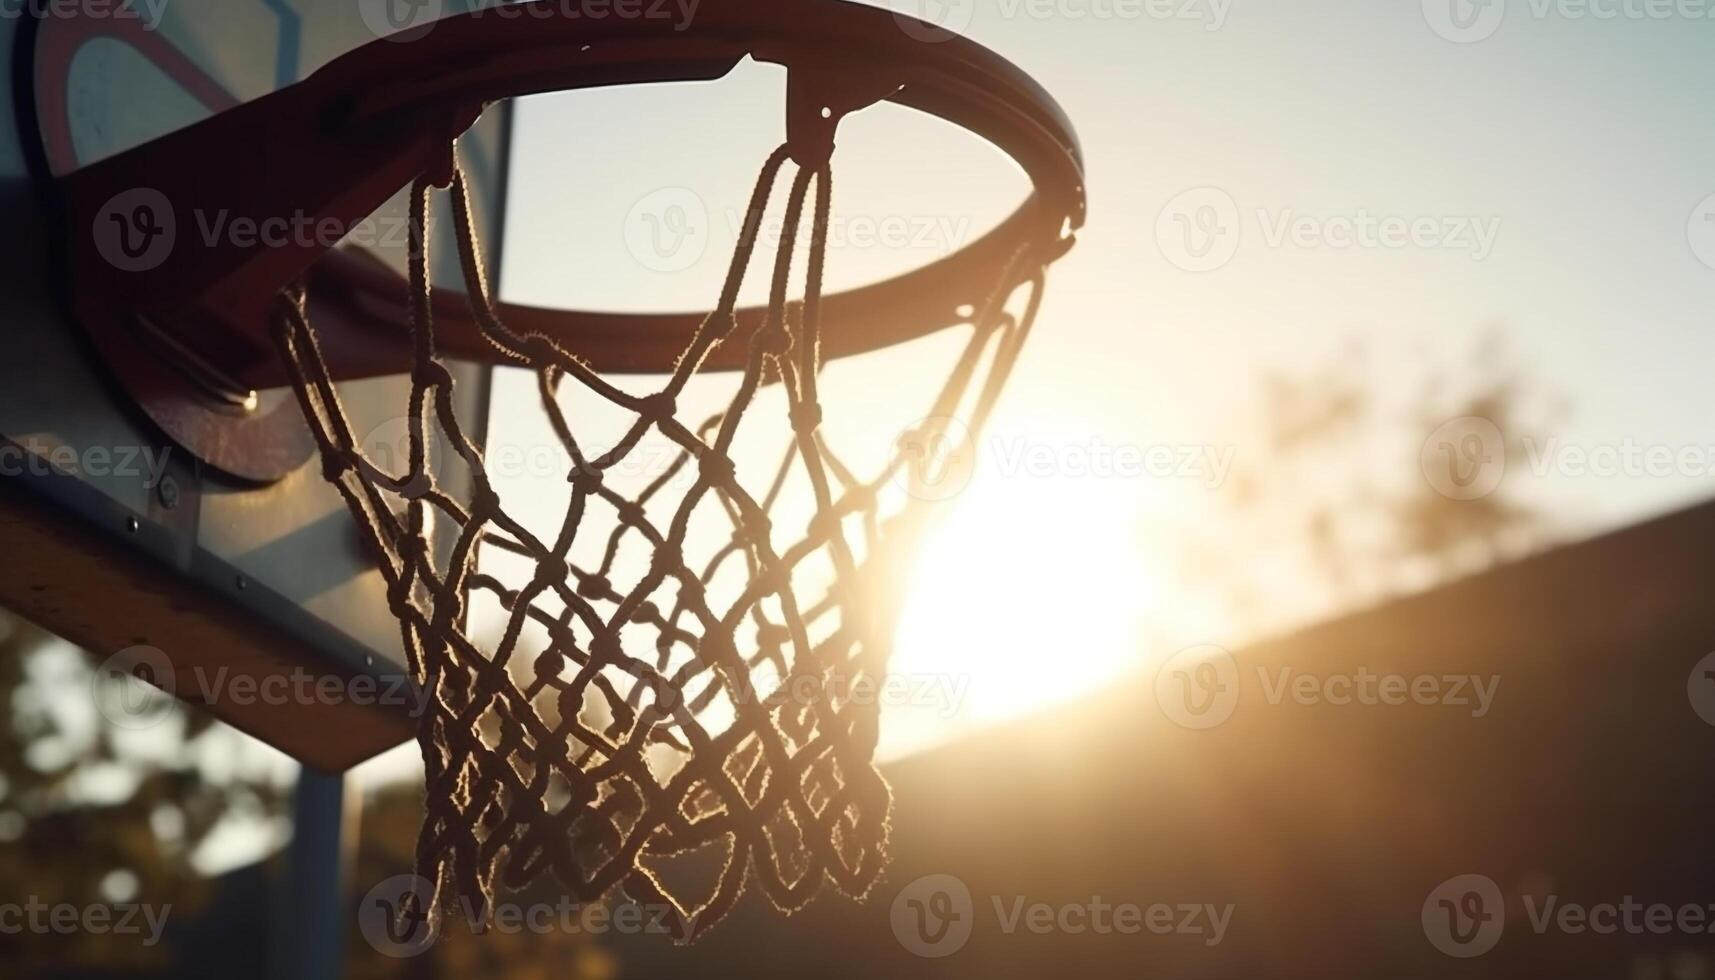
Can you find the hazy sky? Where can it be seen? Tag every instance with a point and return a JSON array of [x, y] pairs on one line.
[[1552, 169]]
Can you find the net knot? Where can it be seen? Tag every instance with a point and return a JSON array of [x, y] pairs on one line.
[[774, 340], [594, 586], [585, 480], [412, 547], [774, 578], [757, 527], [569, 704], [432, 374], [540, 350], [548, 663], [806, 418], [337, 463], [606, 648], [659, 407], [418, 486], [667, 559], [717, 469], [399, 592], [722, 322], [483, 499], [552, 569]]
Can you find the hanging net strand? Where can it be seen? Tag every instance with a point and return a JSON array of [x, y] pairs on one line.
[[537, 742]]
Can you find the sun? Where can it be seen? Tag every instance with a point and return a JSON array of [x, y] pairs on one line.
[[1031, 592]]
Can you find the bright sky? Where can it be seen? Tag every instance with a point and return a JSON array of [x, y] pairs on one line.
[[1550, 179]]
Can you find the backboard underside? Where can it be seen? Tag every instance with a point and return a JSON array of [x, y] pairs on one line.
[[121, 538]]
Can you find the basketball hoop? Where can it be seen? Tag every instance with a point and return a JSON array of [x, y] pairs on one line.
[[536, 753]]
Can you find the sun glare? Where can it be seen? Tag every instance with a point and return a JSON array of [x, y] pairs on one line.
[[1030, 593]]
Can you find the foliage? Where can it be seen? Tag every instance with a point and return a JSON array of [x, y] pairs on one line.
[[1327, 507], [93, 814]]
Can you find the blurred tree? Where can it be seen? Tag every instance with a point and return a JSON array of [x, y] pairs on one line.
[[91, 813], [1328, 506], [97, 813]]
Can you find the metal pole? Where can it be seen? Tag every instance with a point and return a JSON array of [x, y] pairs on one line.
[[310, 917]]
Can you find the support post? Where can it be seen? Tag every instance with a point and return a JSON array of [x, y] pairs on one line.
[[311, 906]]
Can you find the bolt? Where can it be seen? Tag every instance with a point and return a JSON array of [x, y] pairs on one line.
[[132, 524], [168, 491], [243, 583]]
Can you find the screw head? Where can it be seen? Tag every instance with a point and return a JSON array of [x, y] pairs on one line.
[[168, 491]]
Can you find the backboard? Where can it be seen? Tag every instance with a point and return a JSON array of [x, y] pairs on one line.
[[122, 539]]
